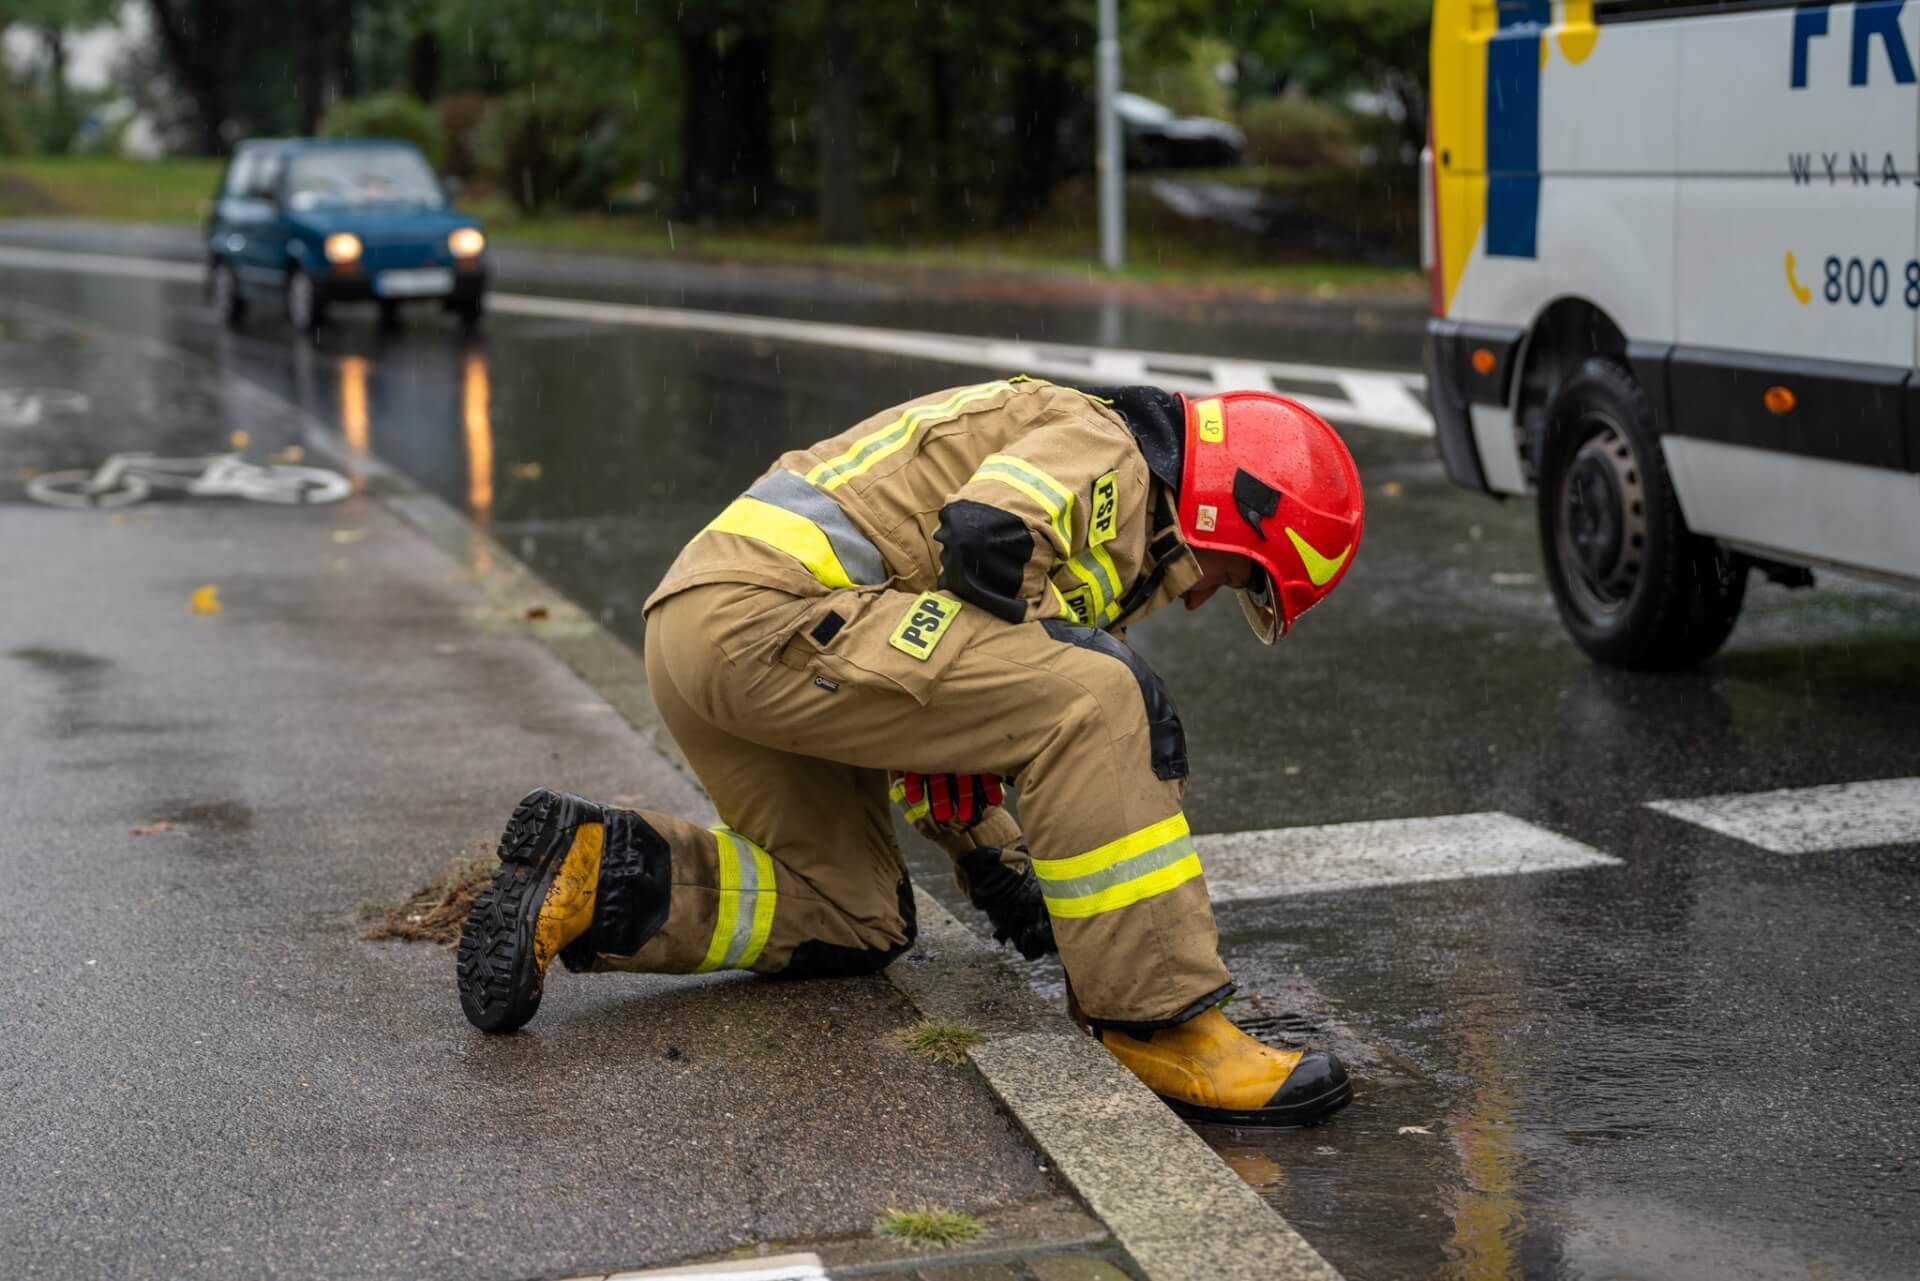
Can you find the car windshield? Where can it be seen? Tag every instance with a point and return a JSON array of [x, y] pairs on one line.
[[362, 176]]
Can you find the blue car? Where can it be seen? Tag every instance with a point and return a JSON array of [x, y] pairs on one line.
[[311, 222]]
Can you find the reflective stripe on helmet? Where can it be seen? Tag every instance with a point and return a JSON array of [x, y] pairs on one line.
[[1055, 499], [747, 897], [1120, 873], [786, 513], [870, 449]]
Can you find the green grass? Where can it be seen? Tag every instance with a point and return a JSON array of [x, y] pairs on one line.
[[930, 1227], [1162, 249], [947, 1042], [107, 187]]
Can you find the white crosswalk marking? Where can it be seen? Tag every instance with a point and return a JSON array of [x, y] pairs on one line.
[[1810, 820], [1347, 856], [785, 1267]]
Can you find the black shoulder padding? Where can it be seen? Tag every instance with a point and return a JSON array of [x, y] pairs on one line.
[[1167, 740], [1158, 422], [1256, 499], [983, 557]]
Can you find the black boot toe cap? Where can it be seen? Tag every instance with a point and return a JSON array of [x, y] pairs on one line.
[[1316, 1088]]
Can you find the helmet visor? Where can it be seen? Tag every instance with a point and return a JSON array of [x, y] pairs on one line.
[[1261, 604]]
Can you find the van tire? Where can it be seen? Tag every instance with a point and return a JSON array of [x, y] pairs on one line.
[[1634, 586]]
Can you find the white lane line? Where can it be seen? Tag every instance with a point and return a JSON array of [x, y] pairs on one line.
[[1349, 856], [1381, 409], [101, 264], [1810, 820], [785, 1267]]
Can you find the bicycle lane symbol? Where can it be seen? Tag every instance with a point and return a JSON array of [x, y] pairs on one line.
[[22, 407], [125, 479]]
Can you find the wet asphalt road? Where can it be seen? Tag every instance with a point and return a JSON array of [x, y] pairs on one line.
[[1695, 1064]]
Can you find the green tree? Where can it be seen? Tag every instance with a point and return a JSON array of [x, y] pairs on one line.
[[54, 21]]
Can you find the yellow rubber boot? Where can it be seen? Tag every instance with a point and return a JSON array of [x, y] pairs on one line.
[[1209, 1070], [539, 901]]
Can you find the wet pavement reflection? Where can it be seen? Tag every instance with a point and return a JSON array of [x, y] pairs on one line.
[[1694, 1064]]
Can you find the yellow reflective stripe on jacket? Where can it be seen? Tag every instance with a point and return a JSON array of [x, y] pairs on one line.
[[786, 513], [915, 812], [889, 440], [747, 896], [1096, 569], [1120, 873], [1066, 610], [1055, 499]]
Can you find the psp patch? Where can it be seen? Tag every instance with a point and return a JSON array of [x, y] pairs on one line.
[[924, 625], [1106, 509]]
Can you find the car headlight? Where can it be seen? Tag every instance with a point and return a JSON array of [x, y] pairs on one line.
[[343, 247], [466, 242]]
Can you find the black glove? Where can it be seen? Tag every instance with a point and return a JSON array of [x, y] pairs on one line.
[[1011, 901]]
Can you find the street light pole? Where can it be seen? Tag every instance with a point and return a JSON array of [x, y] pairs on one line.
[[1111, 162]]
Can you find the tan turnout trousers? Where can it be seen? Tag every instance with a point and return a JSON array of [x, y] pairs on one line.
[[793, 698]]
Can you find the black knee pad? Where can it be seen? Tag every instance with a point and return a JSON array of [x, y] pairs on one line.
[[1167, 740]]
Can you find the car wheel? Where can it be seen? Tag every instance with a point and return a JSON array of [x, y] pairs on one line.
[[306, 311], [223, 294], [468, 312], [1634, 586]]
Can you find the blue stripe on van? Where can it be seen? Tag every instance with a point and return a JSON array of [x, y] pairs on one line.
[[1513, 129]]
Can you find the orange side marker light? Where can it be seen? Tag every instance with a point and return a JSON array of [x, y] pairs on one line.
[[1483, 361], [1780, 400]]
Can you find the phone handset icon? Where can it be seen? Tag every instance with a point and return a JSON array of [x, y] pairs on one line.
[[1800, 291]]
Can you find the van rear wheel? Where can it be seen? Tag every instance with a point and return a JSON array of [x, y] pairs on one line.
[[1634, 586]]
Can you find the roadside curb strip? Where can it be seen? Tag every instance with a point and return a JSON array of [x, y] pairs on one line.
[[1170, 1202]]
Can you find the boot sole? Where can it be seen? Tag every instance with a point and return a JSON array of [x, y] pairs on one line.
[[1294, 1116], [500, 984]]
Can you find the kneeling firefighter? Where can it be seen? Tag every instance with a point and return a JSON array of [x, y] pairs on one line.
[[917, 608]]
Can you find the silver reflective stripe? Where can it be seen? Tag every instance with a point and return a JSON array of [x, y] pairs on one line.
[[1141, 864], [747, 878], [790, 491], [1092, 566]]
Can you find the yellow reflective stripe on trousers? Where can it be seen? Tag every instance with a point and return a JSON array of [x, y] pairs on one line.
[[1096, 569], [747, 897], [870, 449], [1120, 873], [785, 531], [1055, 499]]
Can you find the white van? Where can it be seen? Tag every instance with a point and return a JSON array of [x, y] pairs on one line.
[[1675, 260]]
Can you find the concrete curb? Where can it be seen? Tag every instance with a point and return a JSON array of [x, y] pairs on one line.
[[1169, 1201]]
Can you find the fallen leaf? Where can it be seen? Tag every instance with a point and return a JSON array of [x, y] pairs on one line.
[[205, 600], [153, 829], [525, 471], [348, 535], [1414, 1129], [240, 439], [1393, 489], [1514, 580], [28, 473], [536, 613], [1291, 770], [291, 454]]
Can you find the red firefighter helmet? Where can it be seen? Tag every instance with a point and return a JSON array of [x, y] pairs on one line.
[[1268, 479]]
